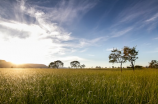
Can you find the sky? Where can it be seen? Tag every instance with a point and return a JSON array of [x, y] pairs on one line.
[[43, 31]]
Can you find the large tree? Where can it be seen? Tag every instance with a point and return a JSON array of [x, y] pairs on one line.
[[130, 54], [56, 64], [117, 56], [153, 64], [75, 64], [52, 65]]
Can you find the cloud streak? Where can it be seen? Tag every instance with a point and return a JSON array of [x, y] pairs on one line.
[[156, 38], [138, 15], [122, 32], [65, 12], [153, 18], [109, 49]]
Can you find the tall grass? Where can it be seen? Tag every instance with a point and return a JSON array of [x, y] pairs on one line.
[[71, 86]]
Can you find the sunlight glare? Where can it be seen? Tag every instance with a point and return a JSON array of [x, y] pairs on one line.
[[30, 50]]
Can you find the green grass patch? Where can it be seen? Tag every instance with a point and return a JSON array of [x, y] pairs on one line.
[[72, 86]]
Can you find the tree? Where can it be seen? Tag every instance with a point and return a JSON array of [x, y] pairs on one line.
[[75, 64], [98, 67], [56, 64], [130, 54], [117, 57], [52, 65], [153, 64], [83, 66]]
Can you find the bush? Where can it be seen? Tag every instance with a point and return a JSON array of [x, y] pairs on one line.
[[138, 66]]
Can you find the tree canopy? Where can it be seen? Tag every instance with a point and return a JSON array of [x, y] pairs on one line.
[[83, 66], [75, 64], [153, 64], [56, 64]]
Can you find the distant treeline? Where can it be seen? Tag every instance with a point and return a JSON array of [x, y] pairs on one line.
[[4, 64]]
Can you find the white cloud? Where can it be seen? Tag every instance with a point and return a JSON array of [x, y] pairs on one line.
[[32, 35], [122, 32]]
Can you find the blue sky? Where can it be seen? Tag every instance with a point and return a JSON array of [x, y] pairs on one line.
[[42, 31]]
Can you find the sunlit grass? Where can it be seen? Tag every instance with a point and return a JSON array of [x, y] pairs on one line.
[[58, 86]]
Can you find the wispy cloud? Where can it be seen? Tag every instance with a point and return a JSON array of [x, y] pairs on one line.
[[84, 50], [152, 52], [138, 14], [151, 22], [69, 58], [153, 18], [91, 42], [156, 38], [109, 49], [65, 12], [33, 33], [136, 9], [146, 44], [91, 55], [122, 32], [73, 50]]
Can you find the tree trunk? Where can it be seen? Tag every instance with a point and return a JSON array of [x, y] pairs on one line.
[[121, 66], [132, 65]]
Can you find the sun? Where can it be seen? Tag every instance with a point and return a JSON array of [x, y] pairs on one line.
[[29, 50], [18, 52]]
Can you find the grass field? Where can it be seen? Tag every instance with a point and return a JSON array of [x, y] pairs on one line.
[[71, 86]]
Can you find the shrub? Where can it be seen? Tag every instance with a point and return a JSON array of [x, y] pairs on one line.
[[138, 66]]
